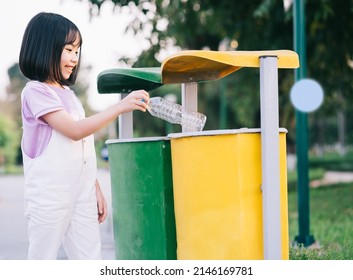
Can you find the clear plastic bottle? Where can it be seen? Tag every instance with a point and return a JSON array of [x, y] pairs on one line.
[[175, 113]]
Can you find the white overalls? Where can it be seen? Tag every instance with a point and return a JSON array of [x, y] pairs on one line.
[[60, 198]]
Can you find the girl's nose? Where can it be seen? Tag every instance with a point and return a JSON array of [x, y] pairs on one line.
[[75, 57]]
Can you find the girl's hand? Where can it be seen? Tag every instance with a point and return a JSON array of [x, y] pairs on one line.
[[101, 204], [136, 100]]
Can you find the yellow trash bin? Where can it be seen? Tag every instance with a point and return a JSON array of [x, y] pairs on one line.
[[217, 194]]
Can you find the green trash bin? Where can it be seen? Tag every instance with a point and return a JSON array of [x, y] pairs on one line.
[[142, 198]]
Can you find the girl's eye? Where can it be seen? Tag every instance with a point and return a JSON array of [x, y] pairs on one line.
[[70, 49]]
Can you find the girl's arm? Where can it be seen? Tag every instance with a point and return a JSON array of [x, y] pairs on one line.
[[62, 121]]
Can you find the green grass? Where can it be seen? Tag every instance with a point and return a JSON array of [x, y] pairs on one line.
[[331, 223], [333, 161], [314, 174]]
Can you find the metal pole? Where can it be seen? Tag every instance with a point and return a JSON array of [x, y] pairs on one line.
[[223, 104], [270, 158], [304, 236], [189, 97], [125, 124]]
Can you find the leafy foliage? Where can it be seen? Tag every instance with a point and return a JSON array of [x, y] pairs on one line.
[[252, 25], [9, 137]]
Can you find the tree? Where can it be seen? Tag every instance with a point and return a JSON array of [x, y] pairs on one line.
[[13, 90], [11, 125], [212, 24], [330, 56], [9, 139], [252, 25]]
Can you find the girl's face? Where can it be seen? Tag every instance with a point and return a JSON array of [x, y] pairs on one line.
[[69, 59]]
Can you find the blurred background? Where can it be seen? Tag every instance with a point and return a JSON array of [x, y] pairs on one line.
[[142, 33]]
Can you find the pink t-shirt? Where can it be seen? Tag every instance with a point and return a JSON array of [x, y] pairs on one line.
[[39, 99]]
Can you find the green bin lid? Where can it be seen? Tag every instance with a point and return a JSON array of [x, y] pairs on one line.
[[125, 80]]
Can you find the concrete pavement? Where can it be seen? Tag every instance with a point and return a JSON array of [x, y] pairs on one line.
[[13, 224], [332, 177]]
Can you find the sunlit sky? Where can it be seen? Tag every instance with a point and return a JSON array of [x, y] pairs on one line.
[[103, 37]]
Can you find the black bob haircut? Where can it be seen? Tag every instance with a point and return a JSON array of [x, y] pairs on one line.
[[43, 42]]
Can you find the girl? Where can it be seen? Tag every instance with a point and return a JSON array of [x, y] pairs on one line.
[[64, 202]]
